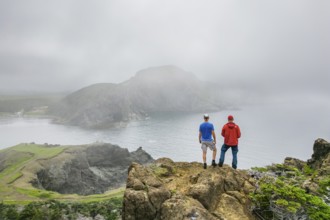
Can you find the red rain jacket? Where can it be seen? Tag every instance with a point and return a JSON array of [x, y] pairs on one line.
[[231, 133]]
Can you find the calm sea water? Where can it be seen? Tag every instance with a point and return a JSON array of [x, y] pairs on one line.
[[269, 133]]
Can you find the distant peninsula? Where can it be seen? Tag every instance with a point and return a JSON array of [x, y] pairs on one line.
[[152, 90]]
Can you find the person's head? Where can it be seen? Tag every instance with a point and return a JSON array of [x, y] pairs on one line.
[[230, 118], [206, 117]]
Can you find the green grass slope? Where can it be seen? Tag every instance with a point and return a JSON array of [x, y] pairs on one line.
[[18, 166]]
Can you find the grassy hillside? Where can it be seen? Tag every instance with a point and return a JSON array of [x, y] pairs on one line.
[[17, 167]]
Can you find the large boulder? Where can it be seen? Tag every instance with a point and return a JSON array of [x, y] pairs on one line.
[[180, 190], [321, 157]]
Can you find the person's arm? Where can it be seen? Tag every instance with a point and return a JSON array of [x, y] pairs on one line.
[[223, 131], [199, 137], [214, 137], [238, 132]]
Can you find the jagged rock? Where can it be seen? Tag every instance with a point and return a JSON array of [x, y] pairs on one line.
[[236, 210], [321, 157], [186, 191], [144, 194], [299, 164], [90, 169], [141, 156]]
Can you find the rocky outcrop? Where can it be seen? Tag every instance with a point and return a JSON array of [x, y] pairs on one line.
[[169, 190], [321, 157], [299, 164], [90, 169], [158, 89]]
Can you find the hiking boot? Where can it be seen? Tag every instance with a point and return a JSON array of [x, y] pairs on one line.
[[213, 163], [220, 164], [205, 166]]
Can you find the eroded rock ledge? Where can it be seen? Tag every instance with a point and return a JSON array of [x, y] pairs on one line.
[[88, 169], [180, 190]]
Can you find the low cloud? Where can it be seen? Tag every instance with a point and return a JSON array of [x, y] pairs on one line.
[[256, 47]]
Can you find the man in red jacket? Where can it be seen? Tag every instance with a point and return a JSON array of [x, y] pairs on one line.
[[231, 133]]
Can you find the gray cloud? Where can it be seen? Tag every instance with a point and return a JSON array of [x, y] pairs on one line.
[[260, 46]]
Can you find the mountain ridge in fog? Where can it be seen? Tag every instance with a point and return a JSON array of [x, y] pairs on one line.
[[156, 89]]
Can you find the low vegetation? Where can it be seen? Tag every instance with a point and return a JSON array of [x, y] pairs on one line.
[[284, 192], [52, 209], [14, 162]]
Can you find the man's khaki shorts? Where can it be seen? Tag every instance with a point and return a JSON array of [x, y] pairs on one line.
[[208, 144]]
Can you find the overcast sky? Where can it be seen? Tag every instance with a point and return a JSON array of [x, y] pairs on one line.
[[264, 46]]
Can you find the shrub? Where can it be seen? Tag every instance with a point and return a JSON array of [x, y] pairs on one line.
[[53, 210], [287, 200]]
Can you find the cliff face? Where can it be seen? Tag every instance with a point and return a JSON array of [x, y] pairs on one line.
[[86, 170], [158, 89], [169, 190]]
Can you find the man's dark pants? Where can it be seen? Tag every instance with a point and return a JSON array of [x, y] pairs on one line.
[[234, 150]]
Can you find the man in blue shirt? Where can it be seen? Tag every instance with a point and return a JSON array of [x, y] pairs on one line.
[[206, 132]]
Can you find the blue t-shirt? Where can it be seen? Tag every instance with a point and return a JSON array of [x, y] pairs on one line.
[[206, 129]]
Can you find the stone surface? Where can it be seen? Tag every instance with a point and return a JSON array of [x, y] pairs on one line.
[[184, 207], [178, 190], [233, 200], [144, 194], [90, 169]]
